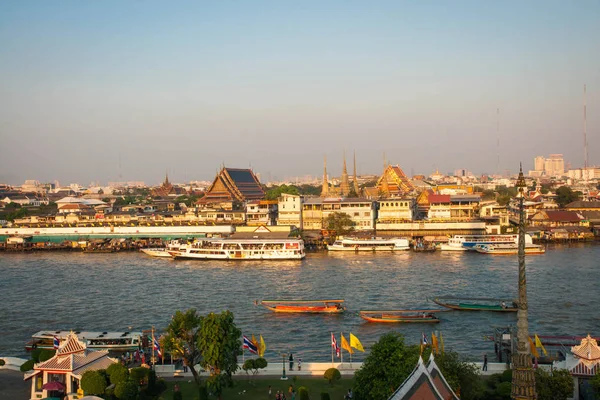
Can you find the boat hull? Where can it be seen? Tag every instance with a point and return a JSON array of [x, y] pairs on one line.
[[401, 319], [475, 307], [156, 252], [307, 310]]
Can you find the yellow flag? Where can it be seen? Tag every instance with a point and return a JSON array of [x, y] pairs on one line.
[[533, 349], [354, 342], [263, 347], [345, 345], [255, 342], [434, 343], [538, 343]]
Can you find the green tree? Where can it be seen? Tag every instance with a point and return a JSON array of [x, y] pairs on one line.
[[254, 364], [2, 362], [309, 190], [181, 339], [275, 192], [93, 382], [219, 343], [595, 381], [46, 354], [488, 195], [339, 222], [27, 366], [332, 375], [385, 368], [553, 385], [117, 373], [303, 393], [139, 374], [565, 195], [127, 390], [460, 373]]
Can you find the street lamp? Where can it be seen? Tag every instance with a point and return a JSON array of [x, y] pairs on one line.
[[283, 376]]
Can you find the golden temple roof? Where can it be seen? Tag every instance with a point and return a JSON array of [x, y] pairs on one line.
[[588, 351]]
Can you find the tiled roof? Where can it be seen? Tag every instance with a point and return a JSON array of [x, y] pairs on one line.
[[70, 345], [419, 385], [563, 216], [439, 198], [584, 204], [587, 351]]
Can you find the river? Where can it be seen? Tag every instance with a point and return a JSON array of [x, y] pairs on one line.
[[113, 292]]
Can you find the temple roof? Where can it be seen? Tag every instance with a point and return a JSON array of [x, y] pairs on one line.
[[394, 182], [425, 383], [232, 184], [588, 351]]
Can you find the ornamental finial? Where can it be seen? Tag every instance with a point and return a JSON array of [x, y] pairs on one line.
[[521, 180]]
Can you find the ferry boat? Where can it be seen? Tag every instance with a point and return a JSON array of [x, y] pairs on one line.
[[305, 306], [508, 248], [468, 242], [173, 245], [373, 244], [113, 341], [477, 304], [401, 316], [242, 249]]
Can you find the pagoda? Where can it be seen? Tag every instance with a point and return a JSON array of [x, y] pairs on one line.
[[345, 185], [233, 186], [165, 189]]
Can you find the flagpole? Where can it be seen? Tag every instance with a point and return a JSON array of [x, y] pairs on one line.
[[153, 359], [331, 345], [341, 350], [243, 352]]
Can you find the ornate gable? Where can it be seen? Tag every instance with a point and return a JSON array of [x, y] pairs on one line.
[[587, 352]]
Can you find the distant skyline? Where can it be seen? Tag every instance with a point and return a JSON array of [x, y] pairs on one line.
[[123, 91]]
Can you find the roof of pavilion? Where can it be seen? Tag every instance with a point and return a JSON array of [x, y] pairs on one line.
[[424, 383], [234, 184]]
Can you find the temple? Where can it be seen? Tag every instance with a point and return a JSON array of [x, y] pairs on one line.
[[61, 375], [233, 186], [583, 362], [425, 383]]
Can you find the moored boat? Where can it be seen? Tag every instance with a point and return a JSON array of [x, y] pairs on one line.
[[371, 244], [468, 242], [305, 306], [400, 316], [508, 249], [242, 249], [476, 304], [113, 341], [173, 245]]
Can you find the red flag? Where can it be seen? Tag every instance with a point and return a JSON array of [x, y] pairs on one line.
[[335, 345]]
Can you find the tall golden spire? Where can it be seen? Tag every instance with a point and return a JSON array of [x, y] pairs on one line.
[[356, 190], [523, 378], [325, 189], [345, 185]]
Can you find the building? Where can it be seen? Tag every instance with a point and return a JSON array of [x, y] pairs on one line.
[[65, 369], [231, 188], [289, 207], [553, 166], [425, 383], [583, 362], [395, 210], [261, 212], [316, 210]]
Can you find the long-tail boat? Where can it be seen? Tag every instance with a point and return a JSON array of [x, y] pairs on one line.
[[477, 304], [305, 306], [401, 316]]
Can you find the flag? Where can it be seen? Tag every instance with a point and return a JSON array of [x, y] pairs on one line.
[[156, 346], [424, 340], [354, 342], [55, 343], [334, 345], [263, 347], [346, 345], [533, 349], [434, 343], [538, 343], [255, 343], [249, 345]]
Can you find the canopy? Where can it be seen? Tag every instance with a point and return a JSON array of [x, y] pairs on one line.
[[54, 385]]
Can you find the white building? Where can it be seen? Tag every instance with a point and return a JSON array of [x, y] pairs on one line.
[[396, 210], [289, 208]]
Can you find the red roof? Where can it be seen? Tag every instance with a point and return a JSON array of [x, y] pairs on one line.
[[563, 216], [439, 198]]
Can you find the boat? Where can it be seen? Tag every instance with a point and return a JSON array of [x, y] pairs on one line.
[[468, 242], [305, 306], [401, 316], [173, 245], [477, 303], [242, 249], [113, 341], [508, 249], [372, 244]]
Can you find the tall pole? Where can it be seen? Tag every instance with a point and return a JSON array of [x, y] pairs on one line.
[[585, 144], [153, 358], [498, 140], [523, 378]]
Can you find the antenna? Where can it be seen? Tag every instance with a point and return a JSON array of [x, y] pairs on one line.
[[498, 139], [585, 144]]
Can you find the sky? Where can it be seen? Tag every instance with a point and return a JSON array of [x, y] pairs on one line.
[[129, 90]]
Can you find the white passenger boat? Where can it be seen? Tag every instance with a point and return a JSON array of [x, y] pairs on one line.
[[114, 341], [242, 249], [163, 251], [508, 248], [468, 242], [373, 244]]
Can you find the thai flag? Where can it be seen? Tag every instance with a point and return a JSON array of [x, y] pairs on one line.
[[56, 343], [424, 340], [249, 345], [157, 347], [334, 345]]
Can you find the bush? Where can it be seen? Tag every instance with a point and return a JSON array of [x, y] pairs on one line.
[[2, 362], [93, 382], [303, 393], [27, 366], [35, 355], [117, 373], [46, 354], [177, 396], [507, 375], [139, 374], [332, 375], [325, 396], [127, 390]]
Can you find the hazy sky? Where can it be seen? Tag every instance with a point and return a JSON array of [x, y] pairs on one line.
[[126, 90]]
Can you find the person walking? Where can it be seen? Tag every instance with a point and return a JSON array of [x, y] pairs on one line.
[[484, 363], [291, 359], [299, 363]]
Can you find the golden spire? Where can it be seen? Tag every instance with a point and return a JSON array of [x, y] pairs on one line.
[[325, 189], [345, 185], [356, 189]]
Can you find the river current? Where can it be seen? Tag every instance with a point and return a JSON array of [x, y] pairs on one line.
[[131, 291]]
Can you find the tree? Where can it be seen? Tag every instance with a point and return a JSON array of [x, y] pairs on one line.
[[595, 381], [275, 192], [553, 385], [127, 390], [117, 373], [219, 343], [181, 339], [339, 222], [254, 364], [385, 368], [93, 382], [461, 374], [27, 366], [565, 195], [332, 375], [303, 393], [46, 354], [309, 190]]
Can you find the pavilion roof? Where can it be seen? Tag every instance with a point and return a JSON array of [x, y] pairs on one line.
[[588, 351]]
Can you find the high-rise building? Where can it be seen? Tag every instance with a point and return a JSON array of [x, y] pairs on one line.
[[554, 165], [539, 163]]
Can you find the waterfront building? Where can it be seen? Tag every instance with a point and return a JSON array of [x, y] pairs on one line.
[[289, 207], [232, 187], [222, 216], [65, 369], [583, 362], [316, 210], [494, 215], [396, 210], [261, 212]]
